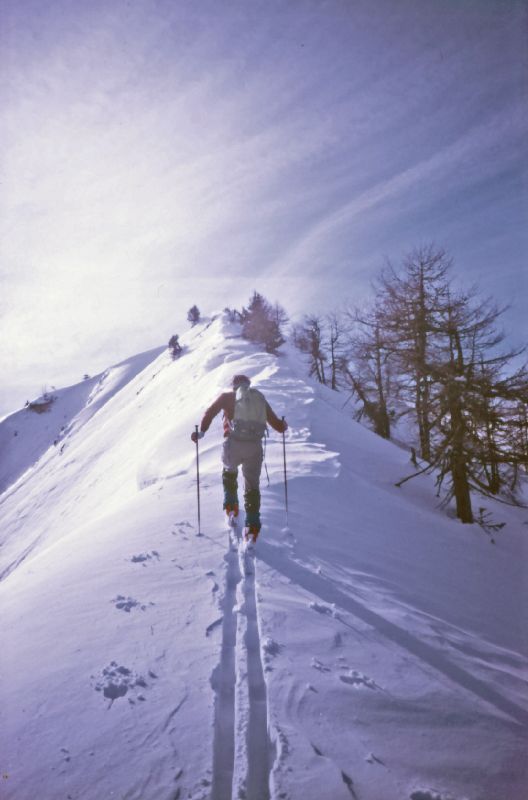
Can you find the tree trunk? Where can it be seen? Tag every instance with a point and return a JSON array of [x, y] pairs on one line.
[[422, 417], [459, 474], [382, 423], [333, 363], [382, 416], [461, 487]]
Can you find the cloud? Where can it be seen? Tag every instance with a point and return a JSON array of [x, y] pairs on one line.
[[469, 159], [159, 154]]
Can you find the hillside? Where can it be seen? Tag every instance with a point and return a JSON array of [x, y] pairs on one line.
[[379, 652]]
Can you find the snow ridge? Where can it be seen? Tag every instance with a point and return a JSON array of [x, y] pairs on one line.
[[377, 650]]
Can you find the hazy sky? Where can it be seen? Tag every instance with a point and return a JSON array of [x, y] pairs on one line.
[[157, 154]]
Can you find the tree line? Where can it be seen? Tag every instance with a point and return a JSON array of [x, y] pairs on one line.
[[427, 350]]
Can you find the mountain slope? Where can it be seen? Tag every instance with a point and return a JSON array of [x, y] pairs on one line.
[[379, 651], [26, 435]]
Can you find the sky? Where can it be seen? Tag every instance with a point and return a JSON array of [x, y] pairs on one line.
[[159, 154]]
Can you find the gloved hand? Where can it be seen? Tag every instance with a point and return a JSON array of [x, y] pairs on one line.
[[195, 436]]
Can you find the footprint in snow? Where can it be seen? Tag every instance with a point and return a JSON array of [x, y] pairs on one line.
[[183, 530], [116, 681], [271, 647], [429, 794], [372, 759], [210, 574], [322, 608], [142, 558], [128, 603], [358, 680], [213, 626], [316, 664]]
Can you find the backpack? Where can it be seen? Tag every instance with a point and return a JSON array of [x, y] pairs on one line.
[[249, 423]]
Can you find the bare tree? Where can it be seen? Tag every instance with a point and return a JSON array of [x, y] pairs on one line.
[[368, 368], [308, 337], [472, 437], [335, 327], [411, 302]]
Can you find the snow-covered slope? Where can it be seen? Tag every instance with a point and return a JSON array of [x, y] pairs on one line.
[[26, 435], [378, 652]]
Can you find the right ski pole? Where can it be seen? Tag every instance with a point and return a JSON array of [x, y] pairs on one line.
[[198, 480], [285, 474]]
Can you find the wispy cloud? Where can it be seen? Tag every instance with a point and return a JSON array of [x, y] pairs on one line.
[[468, 160], [158, 154]]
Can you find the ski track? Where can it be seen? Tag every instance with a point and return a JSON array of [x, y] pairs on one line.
[[223, 682], [241, 745], [258, 744]]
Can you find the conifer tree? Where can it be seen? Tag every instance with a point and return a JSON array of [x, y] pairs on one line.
[[472, 439], [261, 323], [410, 302], [175, 347], [193, 315]]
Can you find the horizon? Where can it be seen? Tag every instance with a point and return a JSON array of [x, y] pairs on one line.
[[161, 155]]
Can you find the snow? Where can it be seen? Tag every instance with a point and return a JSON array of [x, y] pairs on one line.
[[70, 408], [377, 650]]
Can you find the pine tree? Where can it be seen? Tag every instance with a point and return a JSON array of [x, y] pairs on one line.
[[175, 346], [261, 323], [473, 442], [193, 315], [411, 303]]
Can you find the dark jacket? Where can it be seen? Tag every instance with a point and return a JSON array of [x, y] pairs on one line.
[[226, 403]]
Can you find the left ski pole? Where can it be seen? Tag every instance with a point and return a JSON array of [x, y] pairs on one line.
[[285, 474], [198, 480]]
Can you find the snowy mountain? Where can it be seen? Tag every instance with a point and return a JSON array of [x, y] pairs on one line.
[[378, 652]]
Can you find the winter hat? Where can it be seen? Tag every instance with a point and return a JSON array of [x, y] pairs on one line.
[[240, 380]]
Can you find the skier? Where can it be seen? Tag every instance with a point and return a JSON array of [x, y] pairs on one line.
[[246, 413]]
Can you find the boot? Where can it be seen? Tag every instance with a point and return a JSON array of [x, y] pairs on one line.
[[252, 506], [230, 483]]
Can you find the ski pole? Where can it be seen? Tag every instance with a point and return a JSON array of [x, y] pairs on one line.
[[198, 479], [285, 477]]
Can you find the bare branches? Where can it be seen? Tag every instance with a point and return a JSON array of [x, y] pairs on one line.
[[427, 350]]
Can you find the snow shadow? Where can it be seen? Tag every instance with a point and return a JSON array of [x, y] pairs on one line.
[[326, 591]]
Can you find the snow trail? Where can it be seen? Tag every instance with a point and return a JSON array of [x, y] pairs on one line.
[[223, 681], [241, 745], [258, 744]]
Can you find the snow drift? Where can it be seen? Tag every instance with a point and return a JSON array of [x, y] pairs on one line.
[[379, 651]]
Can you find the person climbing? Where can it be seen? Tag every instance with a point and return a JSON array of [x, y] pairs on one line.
[[246, 414]]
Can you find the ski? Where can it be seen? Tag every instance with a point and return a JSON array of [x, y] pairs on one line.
[[242, 543], [248, 550], [232, 527]]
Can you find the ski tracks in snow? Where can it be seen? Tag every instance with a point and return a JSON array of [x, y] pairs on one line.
[[241, 745]]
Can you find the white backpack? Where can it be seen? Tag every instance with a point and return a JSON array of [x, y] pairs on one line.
[[249, 423]]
